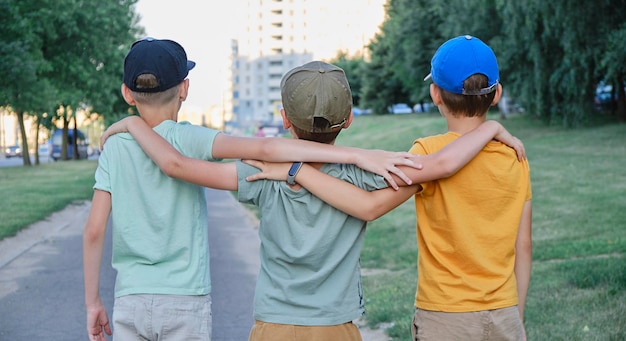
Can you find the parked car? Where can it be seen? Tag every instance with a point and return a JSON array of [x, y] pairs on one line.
[[44, 150], [358, 111], [423, 107], [12, 151], [605, 97], [400, 108], [81, 142]]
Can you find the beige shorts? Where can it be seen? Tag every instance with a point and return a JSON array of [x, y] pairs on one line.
[[263, 331], [162, 317], [487, 325]]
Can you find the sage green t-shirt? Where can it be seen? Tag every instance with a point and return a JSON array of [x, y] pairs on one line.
[[160, 237], [310, 272]]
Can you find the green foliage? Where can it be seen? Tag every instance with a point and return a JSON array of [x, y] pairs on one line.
[[63, 54], [352, 67], [551, 53]]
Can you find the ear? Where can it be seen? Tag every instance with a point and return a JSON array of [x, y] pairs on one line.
[[183, 90], [349, 120], [128, 96], [435, 94], [286, 122], [498, 95]]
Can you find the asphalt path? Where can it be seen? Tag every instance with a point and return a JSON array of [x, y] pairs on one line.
[[41, 277]]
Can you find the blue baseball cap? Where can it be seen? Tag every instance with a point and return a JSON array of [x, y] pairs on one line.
[[459, 58], [165, 59]]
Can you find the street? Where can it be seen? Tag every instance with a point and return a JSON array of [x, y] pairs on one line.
[[41, 276]]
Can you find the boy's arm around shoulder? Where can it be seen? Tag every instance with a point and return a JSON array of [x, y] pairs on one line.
[[350, 199], [340, 194], [277, 149], [218, 175], [454, 156]]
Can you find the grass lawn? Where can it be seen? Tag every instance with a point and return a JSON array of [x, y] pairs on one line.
[[30, 194], [578, 285]]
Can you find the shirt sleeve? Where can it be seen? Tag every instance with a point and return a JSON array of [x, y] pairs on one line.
[[195, 141], [102, 173]]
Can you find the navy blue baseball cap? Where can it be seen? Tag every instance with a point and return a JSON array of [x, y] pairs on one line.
[[459, 58], [165, 59]]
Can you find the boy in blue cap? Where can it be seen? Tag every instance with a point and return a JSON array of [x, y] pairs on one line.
[[474, 227], [309, 286], [160, 239]]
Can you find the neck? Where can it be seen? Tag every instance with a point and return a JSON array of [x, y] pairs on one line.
[[154, 115], [463, 124]]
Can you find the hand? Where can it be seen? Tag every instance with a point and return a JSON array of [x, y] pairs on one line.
[[505, 137], [97, 323], [384, 164], [120, 126], [268, 170]]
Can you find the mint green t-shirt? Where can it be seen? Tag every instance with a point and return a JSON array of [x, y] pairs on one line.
[[310, 272], [160, 237]]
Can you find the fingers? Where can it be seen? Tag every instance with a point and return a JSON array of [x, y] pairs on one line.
[[257, 176], [102, 140], [391, 181], [399, 173]]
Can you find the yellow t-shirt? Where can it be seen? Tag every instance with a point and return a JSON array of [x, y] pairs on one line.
[[466, 230]]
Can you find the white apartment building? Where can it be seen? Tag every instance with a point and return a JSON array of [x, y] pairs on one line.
[[282, 34]]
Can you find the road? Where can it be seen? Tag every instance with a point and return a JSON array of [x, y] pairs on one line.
[[41, 281], [41, 277]]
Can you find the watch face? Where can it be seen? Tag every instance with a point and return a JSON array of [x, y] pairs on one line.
[[294, 168], [291, 175]]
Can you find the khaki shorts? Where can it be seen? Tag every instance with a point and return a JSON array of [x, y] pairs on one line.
[[162, 317], [262, 331], [487, 325]]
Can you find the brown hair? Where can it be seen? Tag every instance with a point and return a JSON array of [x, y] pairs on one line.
[[469, 105], [148, 81], [318, 122]]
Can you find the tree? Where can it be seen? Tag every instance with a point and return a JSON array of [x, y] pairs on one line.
[[352, 67], [551, 54]]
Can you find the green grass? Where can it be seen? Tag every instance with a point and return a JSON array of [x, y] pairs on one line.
[[30, 194], [578, 285]]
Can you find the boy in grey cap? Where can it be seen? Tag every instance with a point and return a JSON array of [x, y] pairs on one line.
[[160, 239], [309, 285]]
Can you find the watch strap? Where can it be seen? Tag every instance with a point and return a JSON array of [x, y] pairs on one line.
[[293, 171]]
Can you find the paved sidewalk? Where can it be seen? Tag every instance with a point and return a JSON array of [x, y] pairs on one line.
[[41, 279]]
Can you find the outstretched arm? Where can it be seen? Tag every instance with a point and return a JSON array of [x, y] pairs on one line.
[[370, 205], [276, 149]]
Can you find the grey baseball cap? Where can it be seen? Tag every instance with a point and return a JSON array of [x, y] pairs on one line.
[[316, 89]]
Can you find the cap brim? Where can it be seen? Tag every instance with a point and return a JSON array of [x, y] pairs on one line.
[[190, 65]]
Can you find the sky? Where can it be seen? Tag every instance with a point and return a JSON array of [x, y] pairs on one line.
[[204, 29]]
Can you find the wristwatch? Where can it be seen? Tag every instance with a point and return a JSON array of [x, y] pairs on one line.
[[291, 175]]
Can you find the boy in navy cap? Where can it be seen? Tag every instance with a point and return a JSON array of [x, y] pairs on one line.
[[160, 239], [474, 227]]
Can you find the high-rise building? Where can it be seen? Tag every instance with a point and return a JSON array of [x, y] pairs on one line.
[[282, 34]]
